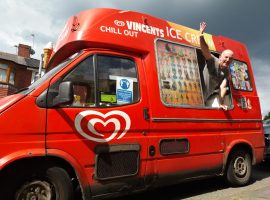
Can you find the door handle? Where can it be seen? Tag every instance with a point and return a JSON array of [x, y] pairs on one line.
[[146, 115], [152, 150]]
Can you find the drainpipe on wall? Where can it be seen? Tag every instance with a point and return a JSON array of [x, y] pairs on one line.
[[40, 65]]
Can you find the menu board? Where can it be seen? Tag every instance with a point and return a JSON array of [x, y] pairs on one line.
[[179, 75]]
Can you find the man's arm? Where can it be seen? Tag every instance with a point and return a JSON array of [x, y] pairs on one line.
[[223, 90], [204, 47]]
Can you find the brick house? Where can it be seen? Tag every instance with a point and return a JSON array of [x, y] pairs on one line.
[[17, 71]]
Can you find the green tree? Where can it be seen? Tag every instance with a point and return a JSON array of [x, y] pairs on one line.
[[267, 118]]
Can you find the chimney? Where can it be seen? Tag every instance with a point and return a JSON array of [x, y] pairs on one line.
[[24, 50]]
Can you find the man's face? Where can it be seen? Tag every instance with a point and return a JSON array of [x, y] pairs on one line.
[[225, 59]]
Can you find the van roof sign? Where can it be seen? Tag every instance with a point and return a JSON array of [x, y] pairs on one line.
[[125, 30]]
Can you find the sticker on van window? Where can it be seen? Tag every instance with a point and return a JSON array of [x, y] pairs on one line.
[[107, 97], [124, 90], [99, 127]]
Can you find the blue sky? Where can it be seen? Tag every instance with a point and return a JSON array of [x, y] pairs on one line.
[[242, 20]]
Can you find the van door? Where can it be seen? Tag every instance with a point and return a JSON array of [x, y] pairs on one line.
[[103, 127]]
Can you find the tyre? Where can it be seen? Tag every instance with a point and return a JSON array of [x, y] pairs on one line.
[[239, 168], [52, 184]]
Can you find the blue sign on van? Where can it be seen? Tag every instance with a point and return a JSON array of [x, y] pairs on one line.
[[124, 84], [124, 90]]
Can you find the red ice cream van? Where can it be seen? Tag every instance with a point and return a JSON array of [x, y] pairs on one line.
[[121, 110]]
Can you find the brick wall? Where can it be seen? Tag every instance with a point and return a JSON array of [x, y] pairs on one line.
[[22, 77], [24, 50], [7, 90]]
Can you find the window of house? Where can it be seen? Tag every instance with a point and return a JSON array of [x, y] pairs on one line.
[[12, 77], [240, 76], [179, 75], [3, 72], [7, 74], [101, 81]]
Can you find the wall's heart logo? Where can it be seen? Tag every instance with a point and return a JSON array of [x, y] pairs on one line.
[[119, 23], [94, 117]]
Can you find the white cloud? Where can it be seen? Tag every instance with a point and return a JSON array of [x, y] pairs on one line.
[[24, 18]]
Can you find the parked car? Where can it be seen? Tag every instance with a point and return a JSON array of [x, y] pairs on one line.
[[266, 127]]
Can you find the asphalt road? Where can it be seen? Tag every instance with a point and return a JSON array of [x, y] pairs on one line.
[[213, 189]]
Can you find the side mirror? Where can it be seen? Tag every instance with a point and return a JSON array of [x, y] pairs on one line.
[[65, 94]]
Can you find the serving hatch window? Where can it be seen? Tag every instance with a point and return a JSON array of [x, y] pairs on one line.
[[179, 75]]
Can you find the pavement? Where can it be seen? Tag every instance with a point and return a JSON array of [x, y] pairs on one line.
[[213, 189], [258, 189]]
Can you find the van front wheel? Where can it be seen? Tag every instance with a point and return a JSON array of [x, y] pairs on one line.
[[239, 168], [54, 184]]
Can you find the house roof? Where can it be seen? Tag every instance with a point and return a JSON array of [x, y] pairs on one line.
[[28, 62]]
